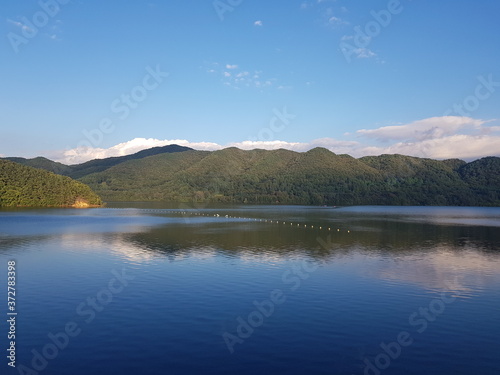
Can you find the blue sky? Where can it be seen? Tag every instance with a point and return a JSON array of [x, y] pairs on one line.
[[292, 74]]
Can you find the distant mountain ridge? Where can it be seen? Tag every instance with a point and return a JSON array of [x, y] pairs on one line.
[[315, 177], [96, 165]]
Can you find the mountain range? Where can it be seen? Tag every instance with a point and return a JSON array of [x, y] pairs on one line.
[[315, 177]]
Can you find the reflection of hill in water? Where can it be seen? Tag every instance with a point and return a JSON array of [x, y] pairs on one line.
[[391, 237], [174, 234], [393, 248]]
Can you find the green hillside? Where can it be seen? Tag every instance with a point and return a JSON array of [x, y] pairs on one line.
[[93, 166], [149, 179], [43, 163], [411, 180], [315, 177], [98, 165], [23, 186], [483, 176]]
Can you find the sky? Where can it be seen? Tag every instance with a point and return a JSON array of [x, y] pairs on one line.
[[85, 79]]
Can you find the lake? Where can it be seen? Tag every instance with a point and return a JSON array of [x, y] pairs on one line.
[[157, 289]]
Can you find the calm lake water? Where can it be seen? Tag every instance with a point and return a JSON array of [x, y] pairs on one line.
[[150, 289]]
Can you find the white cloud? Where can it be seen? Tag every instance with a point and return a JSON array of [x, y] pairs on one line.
[[364, 53], [53, 34], [258, 23], [335, 21], [237, 78], [266, 145], [83, 154], [327, 11], [434, 127], [436, 138], [460, 146], [359, 52], [20, 25], [332, 18]]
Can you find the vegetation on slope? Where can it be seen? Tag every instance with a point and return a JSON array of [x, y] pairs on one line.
[[411, 180], [93, 166], [483, 176], [23, 186], [98, 165], [43, 163], [315, 177]]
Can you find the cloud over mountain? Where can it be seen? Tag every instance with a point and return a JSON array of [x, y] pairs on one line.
[[436, 137]]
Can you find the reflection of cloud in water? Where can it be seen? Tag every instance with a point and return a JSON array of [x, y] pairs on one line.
[[121, 246], [443, 269], [99, 242], [266, 257], [396, 247], [482, 221], [470, 216], [127, 246]]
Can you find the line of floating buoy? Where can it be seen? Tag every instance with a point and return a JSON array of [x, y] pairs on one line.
[[244, 218]]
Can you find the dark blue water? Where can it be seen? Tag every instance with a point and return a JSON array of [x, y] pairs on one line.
[[265, 290]]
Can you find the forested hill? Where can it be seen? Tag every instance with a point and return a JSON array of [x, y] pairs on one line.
[[23, 186], [316, 177], [93, 166]]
